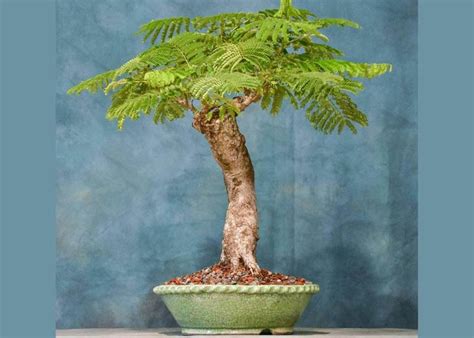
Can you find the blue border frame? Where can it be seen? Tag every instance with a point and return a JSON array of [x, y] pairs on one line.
[[445, 168], [27, 168]]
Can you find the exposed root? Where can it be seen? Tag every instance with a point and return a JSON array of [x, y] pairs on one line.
[[242, 262], [251, 264]]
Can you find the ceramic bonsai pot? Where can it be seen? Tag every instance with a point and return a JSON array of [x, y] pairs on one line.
[[236, 309]]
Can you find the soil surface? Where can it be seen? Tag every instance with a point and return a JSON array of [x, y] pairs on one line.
[[221, 274]]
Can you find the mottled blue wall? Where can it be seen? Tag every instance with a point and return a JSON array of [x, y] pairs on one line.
[[138, 207]]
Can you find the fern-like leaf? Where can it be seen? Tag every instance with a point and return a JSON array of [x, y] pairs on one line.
[[335, 111], [168, 110], [166, 28], [160, 78], [94, 83], [273, 28], [218, 85], [305, 81], [223, 23], [158, 55], [317, 51], [230, 55], [186, 48], [354, 69], [278, 96], [132, 107], [192, 48], [325, 22], [114, 85], [307, 63], [134, 65]]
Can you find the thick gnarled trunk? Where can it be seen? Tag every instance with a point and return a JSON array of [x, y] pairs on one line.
[[241, 224]]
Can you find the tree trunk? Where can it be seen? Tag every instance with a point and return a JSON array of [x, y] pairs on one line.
[[241, 222]]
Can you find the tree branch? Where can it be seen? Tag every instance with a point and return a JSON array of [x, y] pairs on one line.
[[186, 104], [243, 102]]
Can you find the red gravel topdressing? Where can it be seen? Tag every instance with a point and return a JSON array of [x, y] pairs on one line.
[[219, 274]]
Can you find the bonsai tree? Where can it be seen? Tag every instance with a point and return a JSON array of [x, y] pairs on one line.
[[215, 67]]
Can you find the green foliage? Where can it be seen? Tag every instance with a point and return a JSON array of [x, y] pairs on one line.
[[168, 110], [192, 48], [132, 107], [252, 53], [277, 100], [310, 62], [166, 28], [316, 51], [192, 62], [326, 22], [215, 87], [94, 83], [353, 69], [224, 23], [163, 77], [279, 29], [335, 110]]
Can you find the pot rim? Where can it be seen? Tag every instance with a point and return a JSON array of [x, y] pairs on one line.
[[245, 289]]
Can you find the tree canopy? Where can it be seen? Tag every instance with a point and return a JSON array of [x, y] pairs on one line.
[[274, 54]]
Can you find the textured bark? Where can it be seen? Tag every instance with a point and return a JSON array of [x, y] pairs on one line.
[[228, 147]]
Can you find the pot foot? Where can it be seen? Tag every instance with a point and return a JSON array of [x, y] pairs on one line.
[[275, 331]]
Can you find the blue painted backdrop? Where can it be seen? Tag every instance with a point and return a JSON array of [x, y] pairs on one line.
[[137, 207]]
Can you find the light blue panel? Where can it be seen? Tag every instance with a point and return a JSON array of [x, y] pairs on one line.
[[138, 207], [446, 260], [27, 124]]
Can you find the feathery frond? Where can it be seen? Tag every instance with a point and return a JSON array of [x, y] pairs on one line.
[[168, 110], [253, 52], [132, 107], [306, 62], [134, 65], [326, 22], [93, 84], [275, 29], [335, 110], [192, 48], [217, 85], [166, 28], [354, 69], [318, 51], [186, 48], [161, 78], [224, 22], [277, 100]]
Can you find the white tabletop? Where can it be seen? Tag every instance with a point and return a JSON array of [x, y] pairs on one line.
[[301, 332]]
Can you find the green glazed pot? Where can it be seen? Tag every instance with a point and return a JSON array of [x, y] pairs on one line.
[[236, 309]]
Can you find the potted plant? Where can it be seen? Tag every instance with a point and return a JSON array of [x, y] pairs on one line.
[[215, 67]]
